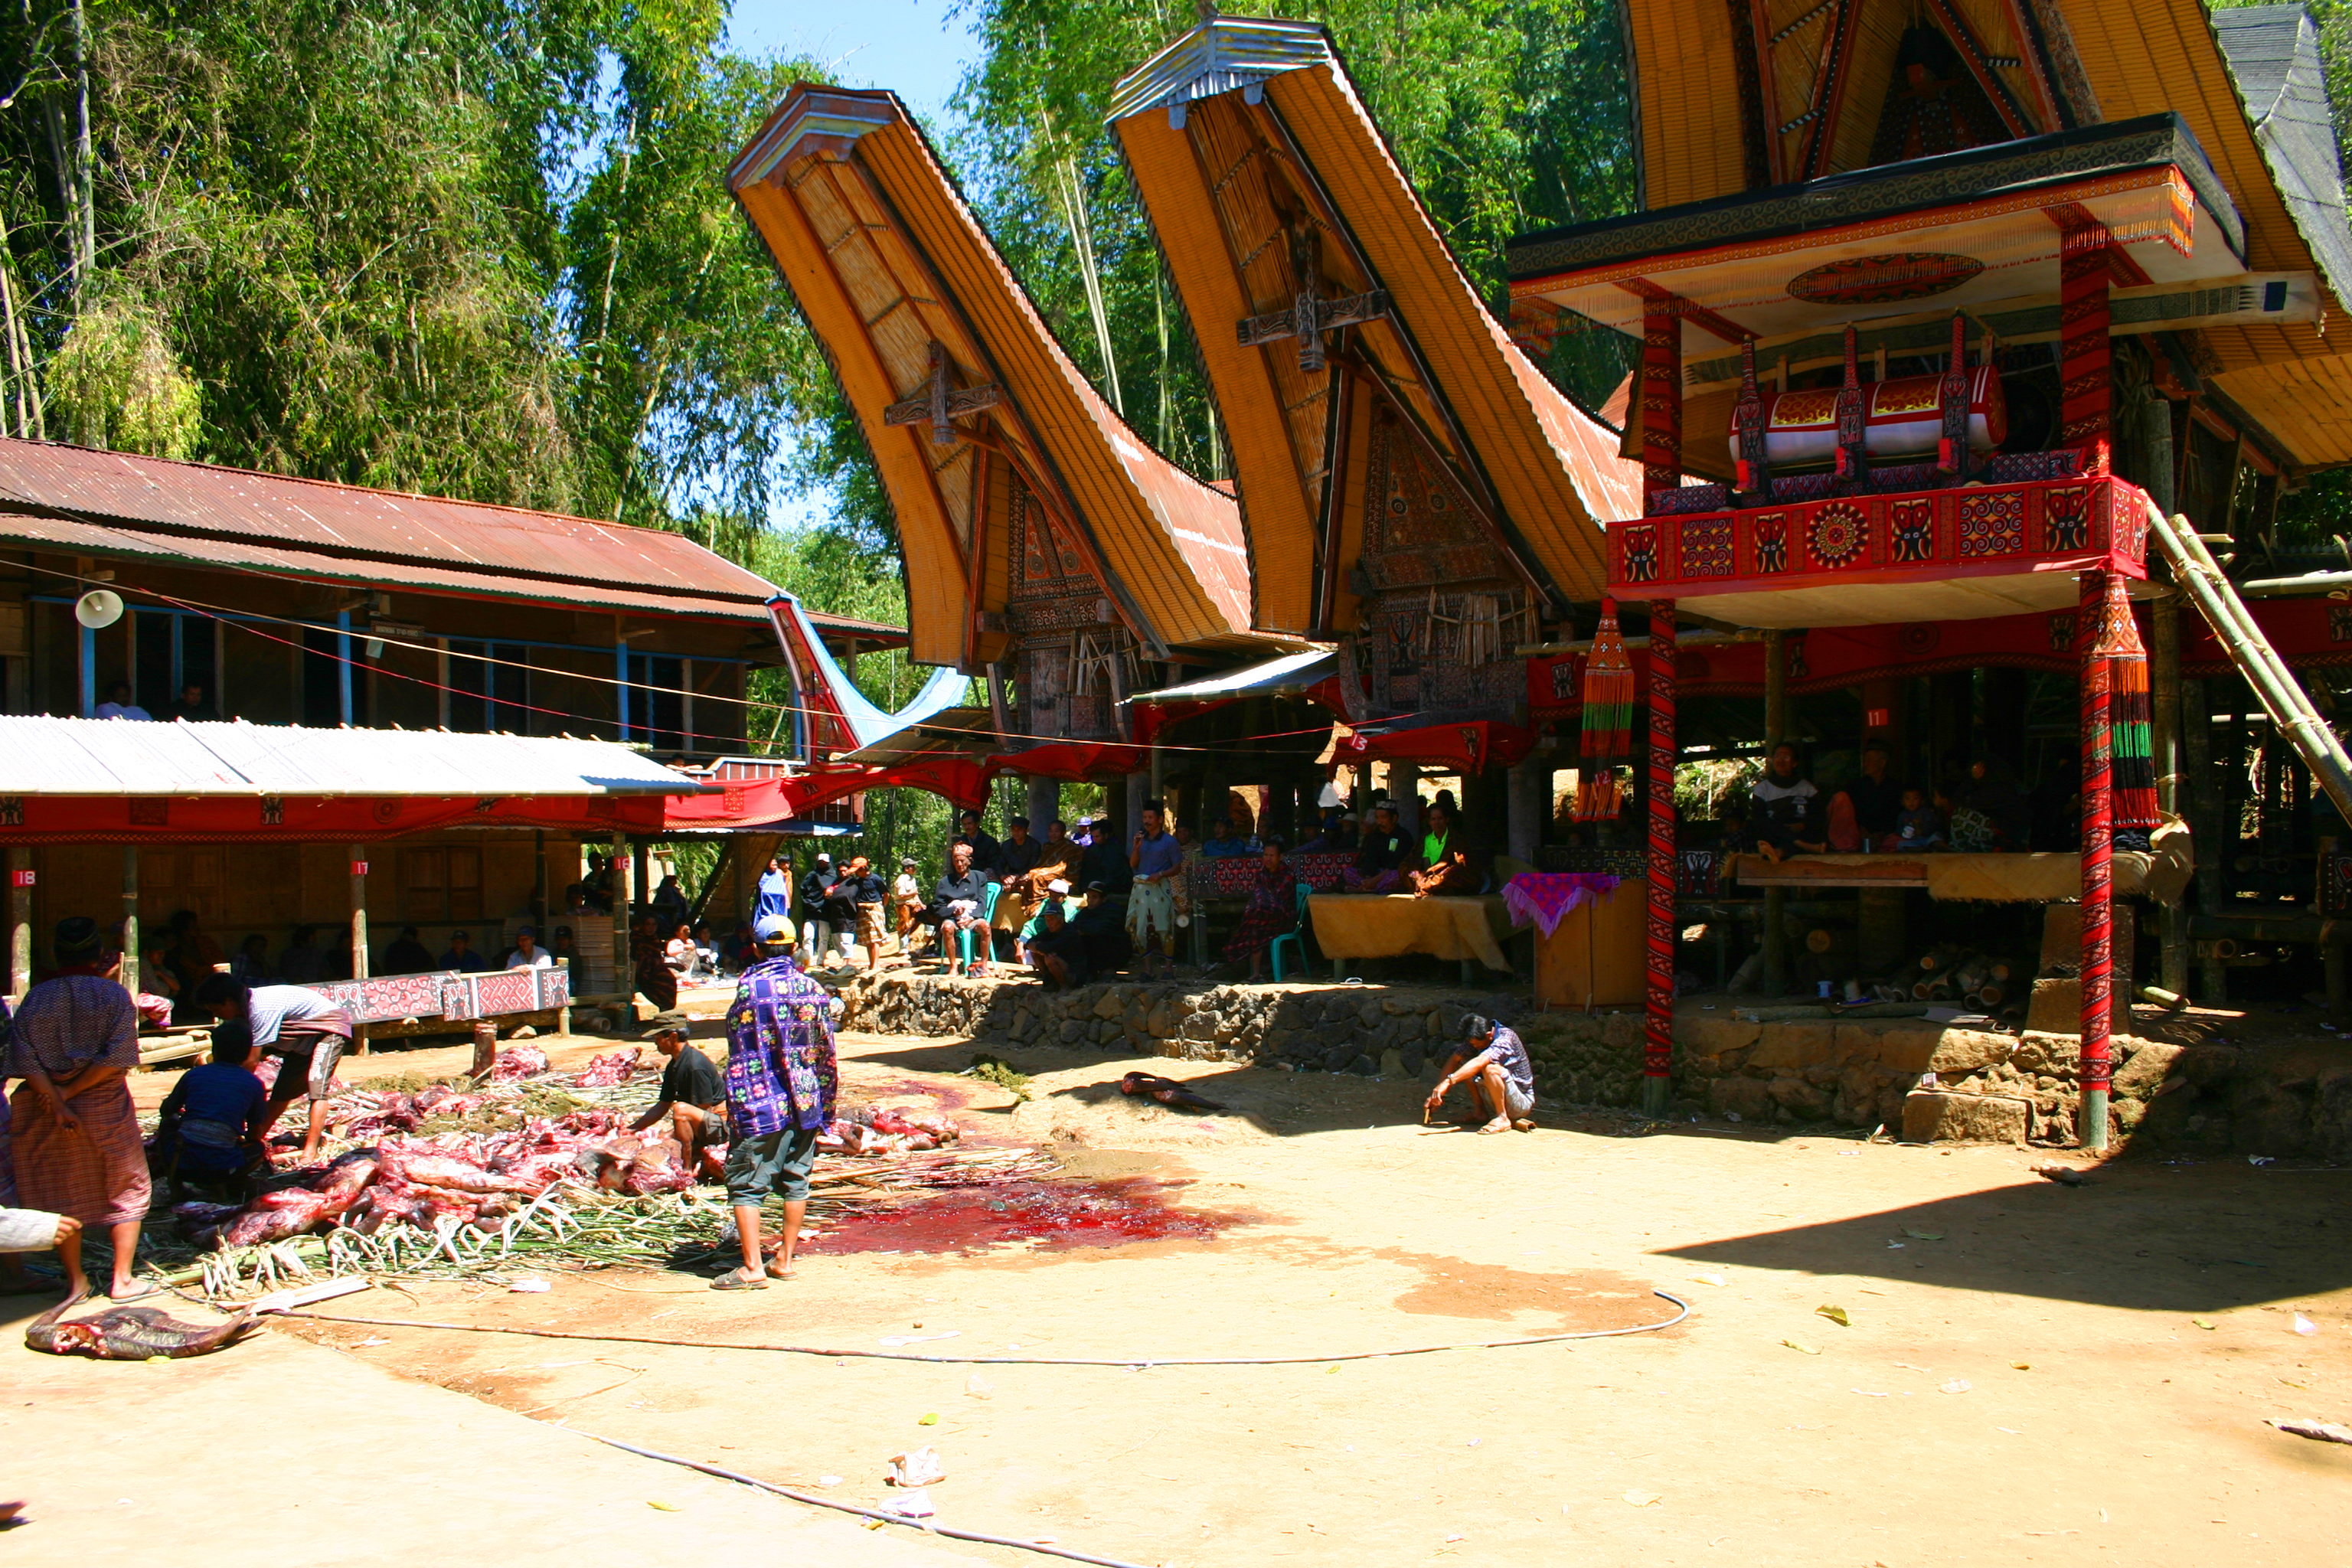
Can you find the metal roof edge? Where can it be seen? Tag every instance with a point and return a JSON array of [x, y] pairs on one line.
[[1220, 55], [811, 109]]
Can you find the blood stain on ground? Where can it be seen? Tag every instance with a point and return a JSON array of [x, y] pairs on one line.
[[1048, 1215]]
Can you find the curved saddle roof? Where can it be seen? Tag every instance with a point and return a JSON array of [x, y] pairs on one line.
[[970, 407], [1269, 184]]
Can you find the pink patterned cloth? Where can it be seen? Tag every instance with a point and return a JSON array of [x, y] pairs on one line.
[[1541, 898]]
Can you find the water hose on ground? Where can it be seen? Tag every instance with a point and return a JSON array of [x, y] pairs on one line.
[[1682, 1311]]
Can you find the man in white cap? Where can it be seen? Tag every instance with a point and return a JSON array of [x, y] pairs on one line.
[[781, 1081]]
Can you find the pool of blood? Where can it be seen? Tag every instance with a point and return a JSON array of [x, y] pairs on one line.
[[1052, 1216]]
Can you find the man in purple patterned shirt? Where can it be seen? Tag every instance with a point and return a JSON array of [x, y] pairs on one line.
[[781, 1077]]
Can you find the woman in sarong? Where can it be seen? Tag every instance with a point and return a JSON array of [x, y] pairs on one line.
[[1272, 910], [78, 1149], [655, 981]]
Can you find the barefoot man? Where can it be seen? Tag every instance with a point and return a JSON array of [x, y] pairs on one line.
[[781, 1077], [1494, 1062]]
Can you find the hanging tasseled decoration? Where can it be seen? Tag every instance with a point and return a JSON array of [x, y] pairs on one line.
[[1608, 739], [2133, 779]]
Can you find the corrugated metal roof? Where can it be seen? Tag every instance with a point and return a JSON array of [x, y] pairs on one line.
[[2272, 51], [1291, 672], [232, 517], [44, 756]]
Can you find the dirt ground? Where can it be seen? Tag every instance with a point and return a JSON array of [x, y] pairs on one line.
[[2030, 1374]]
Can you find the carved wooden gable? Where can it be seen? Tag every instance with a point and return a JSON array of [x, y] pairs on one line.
[[1072, 658], [1443, 607]]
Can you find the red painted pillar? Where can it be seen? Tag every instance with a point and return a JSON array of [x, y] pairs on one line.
[[1658, 1047], [2097, 967], [1662, 400], [2083, 350]]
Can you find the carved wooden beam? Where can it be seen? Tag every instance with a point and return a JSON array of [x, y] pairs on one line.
[[939, 404], [1309, 319]]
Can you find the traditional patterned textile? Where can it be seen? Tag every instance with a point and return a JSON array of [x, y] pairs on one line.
[[1541, 898], [71, 1022], [1273, 909], [780, 1063], [98, 1173], [1151, 913], [655, 980], [1230, 879]]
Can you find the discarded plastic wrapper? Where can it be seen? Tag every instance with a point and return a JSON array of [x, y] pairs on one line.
[[916, 1468]]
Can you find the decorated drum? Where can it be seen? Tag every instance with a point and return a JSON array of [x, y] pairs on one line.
[[1903, 421]]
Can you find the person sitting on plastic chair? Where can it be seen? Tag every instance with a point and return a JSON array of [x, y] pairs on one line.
[[961, 899], [1272, 910]]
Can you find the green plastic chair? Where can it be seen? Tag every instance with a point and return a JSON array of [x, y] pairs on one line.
[[1297, 939], [987, 913]]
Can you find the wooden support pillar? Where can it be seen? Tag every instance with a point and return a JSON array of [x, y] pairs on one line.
[[1662, 400], [1776, 728], [1658, 1047], [1404, 794], [2097, 963], [359, 872], [1529, 783], [2207, 838], [20, 922], [2164, 742], [1044, 804], [2085, 354], [539, 882], [130, 918], [625, 976]]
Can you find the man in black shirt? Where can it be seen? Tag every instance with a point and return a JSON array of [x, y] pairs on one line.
[[1380, 855], [987, 854], [406, 956], [816, 934], [694, 1097], [1099, 922], [1105, 861], [1877, 798], [860, 890], [1058, 952]]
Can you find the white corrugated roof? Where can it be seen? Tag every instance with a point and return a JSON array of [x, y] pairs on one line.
[[1291, 672], [45, 756]]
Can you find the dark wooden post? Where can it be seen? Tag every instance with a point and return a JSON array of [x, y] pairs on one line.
[[1776, 726], [1662, 400], [1658, 1049]]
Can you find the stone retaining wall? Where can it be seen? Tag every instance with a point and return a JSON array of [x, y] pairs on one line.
[[1861, 1073]]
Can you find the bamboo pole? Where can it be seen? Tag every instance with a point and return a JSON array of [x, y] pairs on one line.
[[2097, 849], [2274, 684], [1658, 1047]]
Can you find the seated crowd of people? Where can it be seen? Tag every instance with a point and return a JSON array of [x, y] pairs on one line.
[[1978, 808]]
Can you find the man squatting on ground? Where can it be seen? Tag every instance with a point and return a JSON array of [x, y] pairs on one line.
[[781, 1081], [1494, 1062], [303, 1029], [693, 1100]]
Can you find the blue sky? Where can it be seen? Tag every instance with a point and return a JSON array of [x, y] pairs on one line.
[[912, 46]]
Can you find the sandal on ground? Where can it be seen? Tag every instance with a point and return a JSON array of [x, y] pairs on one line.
[[733, 1280], [140, 1290]]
